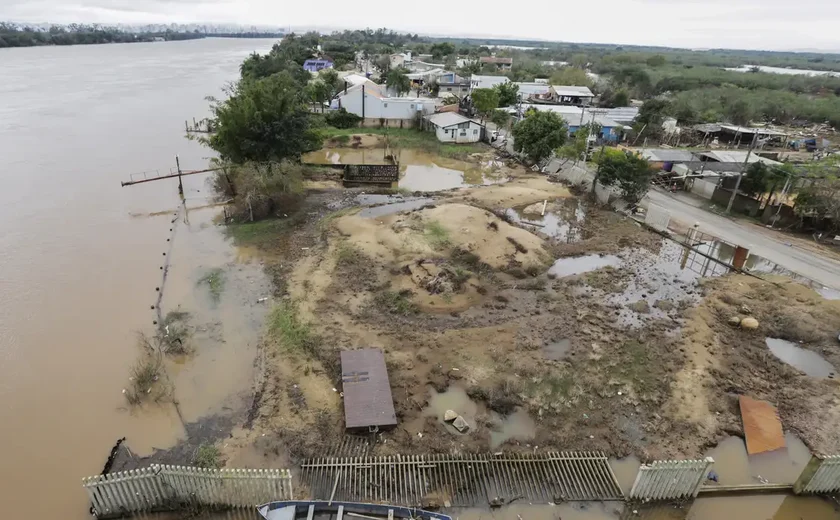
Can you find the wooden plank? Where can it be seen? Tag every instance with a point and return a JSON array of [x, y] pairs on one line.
[[762, 427]]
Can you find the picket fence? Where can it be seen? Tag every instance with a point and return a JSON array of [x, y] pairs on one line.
[[670, 479], [163, 487]]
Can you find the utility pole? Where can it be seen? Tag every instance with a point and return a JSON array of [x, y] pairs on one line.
[[741, 174]]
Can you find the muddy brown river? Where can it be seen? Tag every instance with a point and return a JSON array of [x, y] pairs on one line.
[[80, 258]]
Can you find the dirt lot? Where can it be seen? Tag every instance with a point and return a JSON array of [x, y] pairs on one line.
[[621, 351]]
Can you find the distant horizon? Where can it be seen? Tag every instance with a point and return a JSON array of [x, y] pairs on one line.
[[326, 29]]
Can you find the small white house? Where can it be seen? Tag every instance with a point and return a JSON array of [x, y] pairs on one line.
[[450, 127], [368, 101]]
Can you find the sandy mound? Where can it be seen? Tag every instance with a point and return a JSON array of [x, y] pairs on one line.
[[525, 190], [436, 231]]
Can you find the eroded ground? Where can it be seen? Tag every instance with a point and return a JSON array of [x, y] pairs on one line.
[[573, 329]]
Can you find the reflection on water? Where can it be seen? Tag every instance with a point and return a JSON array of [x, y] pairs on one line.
[[805, 360], [563, 220], [516, 426], [734, 466], [582, 264]]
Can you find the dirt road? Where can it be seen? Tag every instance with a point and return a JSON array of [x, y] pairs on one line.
[[775, 247]]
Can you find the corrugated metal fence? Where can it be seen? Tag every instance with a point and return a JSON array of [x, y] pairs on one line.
[[821, 475], [658, 218], [161, 487], [462, 480], [670, 479]]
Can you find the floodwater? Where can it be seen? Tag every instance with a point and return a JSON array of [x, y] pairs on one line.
[[735, 466], [563, 220], [781, 70], [582, 264], [79, 263], [807, 361], [516, 426], [419, 170]]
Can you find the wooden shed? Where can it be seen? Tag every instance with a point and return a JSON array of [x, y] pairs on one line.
[[368, 403]]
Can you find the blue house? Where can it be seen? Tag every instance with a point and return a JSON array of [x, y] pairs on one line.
[[317, 65], [611, 131]]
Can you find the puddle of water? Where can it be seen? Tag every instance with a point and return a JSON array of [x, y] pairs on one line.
[[805, 360], [582, 264], [346, 156], [518, 425], [431, 178], [456, 399], [419, 170], [557, 350], [771, 507], [625, 471], [395, 207], [563, 223], [734, 466]]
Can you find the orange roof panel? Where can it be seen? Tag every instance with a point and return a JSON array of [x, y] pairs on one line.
[[762, 426]]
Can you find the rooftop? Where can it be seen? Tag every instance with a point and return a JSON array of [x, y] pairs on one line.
[[570, 90], [447, 119], [623, 115], [367, 391], [494, 59], [487, 81], [736, 156], [666, 155], [532, 89], [572, 115]]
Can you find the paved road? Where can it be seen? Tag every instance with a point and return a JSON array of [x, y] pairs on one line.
[[802, 261]]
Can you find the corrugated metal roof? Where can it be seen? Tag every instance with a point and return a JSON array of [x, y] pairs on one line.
[[572, 115], [494, 59], [487, 81], [736, 156], [623, 115], [666, 155], [748, 130], [533, 89], [571, 90], [367, 391], [445, 119]]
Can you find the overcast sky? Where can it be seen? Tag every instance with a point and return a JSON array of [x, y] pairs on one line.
[[751, 24]]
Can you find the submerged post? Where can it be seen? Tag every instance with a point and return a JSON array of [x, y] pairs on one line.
[[180, 180]]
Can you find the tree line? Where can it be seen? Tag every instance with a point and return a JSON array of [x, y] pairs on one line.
[[75, 34]]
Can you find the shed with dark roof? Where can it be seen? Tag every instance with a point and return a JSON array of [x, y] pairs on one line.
[[368, 403]]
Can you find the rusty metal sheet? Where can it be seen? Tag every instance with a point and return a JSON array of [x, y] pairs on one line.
[[762, 427], [367, 391]]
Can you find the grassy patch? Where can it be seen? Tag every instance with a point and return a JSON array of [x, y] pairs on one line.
[[207, 456], [436, 234], [250, 232], [287, 328], [329, 218], [408, 138], [395, 302], [144, 376], [215, 280]]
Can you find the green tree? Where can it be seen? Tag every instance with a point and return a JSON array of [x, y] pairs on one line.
[[398, 81], [263, 120], [500, 118], [571, 76], [656, 61], [539, 134], [508, 93], [650, 118], [627, 171], [439, 50], [485, 101]]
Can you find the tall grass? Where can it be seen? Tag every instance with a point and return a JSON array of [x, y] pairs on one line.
[[289, 331]]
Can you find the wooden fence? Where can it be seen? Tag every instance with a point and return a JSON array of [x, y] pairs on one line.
[[658, 218], [670, 479], [163, 488]]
